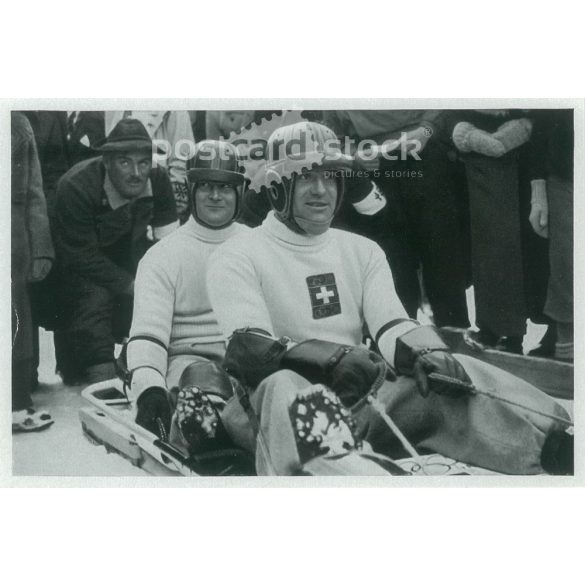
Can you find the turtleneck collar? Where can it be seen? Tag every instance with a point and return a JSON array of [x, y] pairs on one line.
[[207, 234], [280, 231]]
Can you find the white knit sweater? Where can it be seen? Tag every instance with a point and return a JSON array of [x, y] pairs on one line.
[[172, 312], [305, 287]]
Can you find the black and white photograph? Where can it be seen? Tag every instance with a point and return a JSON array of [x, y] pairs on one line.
[[294, 293], [377, 292]]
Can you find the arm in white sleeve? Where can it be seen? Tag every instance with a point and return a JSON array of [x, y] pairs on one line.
[[235, 292], [154, 299], [383, 311]]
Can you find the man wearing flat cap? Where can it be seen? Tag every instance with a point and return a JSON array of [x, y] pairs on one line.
[[109, 211]]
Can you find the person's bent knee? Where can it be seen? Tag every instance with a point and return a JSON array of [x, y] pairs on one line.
[[286, 378], [208, 377]]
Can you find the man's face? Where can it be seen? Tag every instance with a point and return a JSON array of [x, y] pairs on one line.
[[215, 203], [129, 172], [234, 120], [314, 200]]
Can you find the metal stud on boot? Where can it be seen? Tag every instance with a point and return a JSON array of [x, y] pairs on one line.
[[199, 422], [201, 434]]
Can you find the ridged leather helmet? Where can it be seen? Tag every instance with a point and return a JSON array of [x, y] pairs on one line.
[[216, 161], [292, 149]]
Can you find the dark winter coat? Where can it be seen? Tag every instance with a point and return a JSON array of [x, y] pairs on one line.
[[552, 145], [31, 238], [100, 244], [50, 130]]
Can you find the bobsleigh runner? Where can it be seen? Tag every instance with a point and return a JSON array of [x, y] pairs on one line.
[[106, 419]]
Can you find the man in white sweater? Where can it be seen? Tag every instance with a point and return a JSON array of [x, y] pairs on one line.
[[318, 289], [174, 328]]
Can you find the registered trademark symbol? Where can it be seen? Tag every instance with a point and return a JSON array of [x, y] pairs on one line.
[[428, 131]]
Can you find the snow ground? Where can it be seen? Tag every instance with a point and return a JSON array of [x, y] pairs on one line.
[[62, 450]]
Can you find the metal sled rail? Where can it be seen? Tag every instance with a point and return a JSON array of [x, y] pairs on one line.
[[107, 422]]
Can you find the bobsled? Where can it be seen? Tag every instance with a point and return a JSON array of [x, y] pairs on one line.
[[107, 420]]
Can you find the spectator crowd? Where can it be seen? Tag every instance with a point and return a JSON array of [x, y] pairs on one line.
[[480, 198]]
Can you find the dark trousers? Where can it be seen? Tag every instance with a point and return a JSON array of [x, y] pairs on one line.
[[509, 260], [424, 229], [95, 320], [559, 302], [23, 381], [22, 346]]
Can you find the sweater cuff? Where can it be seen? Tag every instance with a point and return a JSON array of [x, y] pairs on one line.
[[147, 353], [387, 341], [538, 191], [43, 250]]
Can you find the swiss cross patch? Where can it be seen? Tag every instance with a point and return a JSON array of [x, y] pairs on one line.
[[324, 295]]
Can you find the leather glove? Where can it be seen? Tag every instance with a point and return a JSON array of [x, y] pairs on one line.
[[420, 352], [440, 362], [252, 355], [154, 411], [39, 269], [349, 371], [353, 377], [539, 208]]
